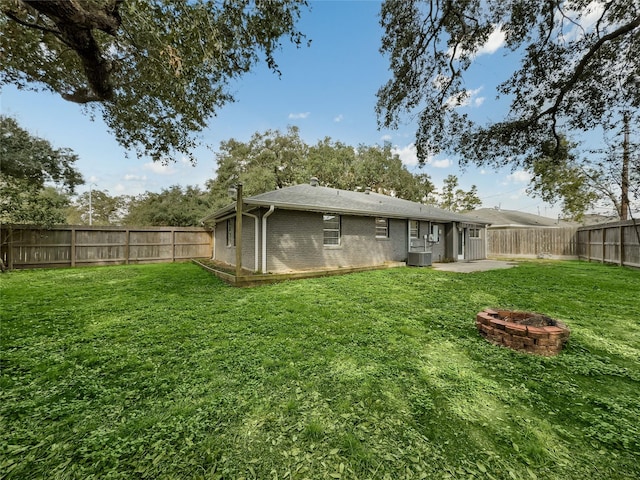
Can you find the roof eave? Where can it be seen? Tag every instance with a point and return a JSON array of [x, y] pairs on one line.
[[218, 213], [345, 211]]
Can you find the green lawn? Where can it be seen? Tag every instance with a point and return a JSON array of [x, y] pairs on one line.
[[162, 371]]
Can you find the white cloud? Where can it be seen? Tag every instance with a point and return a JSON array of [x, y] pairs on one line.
[[580, 22], [408, 155], [119, 188], [465, 99], [339, 118], [519, 176], [299, 116], [592, 14], [473, 96], [159, 168], [132, 178], [443, 163], [493, 43], [386, 138], [441, 82]]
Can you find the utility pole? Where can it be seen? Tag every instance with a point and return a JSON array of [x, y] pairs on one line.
[[91, 204], [624, 200], [239, 230]]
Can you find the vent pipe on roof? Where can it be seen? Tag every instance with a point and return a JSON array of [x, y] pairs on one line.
[[313, 182], [367, 190]]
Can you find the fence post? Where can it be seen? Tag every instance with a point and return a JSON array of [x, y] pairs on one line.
[[621, 230], [10, 249], [73, 247], [127, 241], [604, 236], [173, 246]]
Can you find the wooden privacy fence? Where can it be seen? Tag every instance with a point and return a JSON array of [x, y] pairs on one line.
[[611, 243], [530, 242], [69, 246]]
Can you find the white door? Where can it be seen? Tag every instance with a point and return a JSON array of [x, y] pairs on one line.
[[461, 234]]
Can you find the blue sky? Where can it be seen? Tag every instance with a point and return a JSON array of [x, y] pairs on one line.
[[327, 90]]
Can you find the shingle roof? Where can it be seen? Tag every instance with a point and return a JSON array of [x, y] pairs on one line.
[[324, 199], [498, 217]]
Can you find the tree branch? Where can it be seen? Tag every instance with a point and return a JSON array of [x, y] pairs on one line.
[[577, 73], [75, 21], [82, 95], [35, 26], [105, 18]]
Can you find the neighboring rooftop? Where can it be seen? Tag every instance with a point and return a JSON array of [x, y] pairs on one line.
[[324, 199], [499, 217], [597, 219]]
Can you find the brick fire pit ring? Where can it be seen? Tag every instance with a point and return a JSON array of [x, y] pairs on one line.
[[523, 331]]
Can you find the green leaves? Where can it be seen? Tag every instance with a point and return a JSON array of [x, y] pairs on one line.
[[577, 71], [173, 206], [273, 159], [156, 71], [24, 156], [27, 164], [455, 199]]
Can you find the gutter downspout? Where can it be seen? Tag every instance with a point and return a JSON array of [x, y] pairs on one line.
[[256, 233], [239, 231], [264, 237], [213, 252], [486, 241]]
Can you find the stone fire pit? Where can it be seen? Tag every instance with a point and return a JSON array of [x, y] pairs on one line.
[[523, 331]]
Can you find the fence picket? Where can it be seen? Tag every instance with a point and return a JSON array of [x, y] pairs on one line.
[[25, 246], [608, 243]]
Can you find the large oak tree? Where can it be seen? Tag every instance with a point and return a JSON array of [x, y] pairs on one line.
[[174, 206], [273, 159], [156, 70], [579, 70], [29, 169]]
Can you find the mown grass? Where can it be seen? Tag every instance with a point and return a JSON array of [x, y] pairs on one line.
[[162, 371]]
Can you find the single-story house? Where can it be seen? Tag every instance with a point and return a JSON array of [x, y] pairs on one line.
[[310, 227]]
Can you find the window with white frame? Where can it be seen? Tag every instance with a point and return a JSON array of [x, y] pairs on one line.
[[382, 227], [231, 232], [474, 232], [414, 229], [331, 229]]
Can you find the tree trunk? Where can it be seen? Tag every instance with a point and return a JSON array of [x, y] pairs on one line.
[[75, 21]]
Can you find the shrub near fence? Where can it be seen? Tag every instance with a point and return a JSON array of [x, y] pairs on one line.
[[70, 246]]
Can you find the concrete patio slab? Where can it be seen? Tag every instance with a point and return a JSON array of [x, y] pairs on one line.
[[474, 266]]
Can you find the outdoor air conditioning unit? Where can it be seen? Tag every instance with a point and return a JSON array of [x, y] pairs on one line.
[[419, 259]]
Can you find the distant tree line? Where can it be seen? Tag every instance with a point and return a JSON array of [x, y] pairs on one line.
[[272, 160], [37, 181]]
